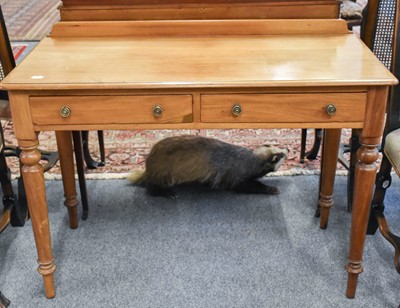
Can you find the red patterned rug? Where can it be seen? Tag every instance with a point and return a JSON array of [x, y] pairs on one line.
[[18, 50], [28, 20], [127, 150]]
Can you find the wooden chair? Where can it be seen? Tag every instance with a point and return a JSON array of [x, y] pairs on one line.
[[391, 136]]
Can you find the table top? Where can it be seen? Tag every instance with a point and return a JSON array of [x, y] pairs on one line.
[[198, 61]]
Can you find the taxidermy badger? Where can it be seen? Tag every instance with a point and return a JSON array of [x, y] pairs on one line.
[[192, 159]]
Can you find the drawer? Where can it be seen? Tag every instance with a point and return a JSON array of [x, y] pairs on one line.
[[283, 108], [48, 110]]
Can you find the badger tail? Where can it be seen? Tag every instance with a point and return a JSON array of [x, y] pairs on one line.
[[137, 177]]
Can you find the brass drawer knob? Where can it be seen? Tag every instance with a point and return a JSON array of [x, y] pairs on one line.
[[330, 109], [157, 110], [65, 111], [236, 110]]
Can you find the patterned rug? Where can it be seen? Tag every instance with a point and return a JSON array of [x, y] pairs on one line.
[[18, 50], [127, 150], [29, 20]]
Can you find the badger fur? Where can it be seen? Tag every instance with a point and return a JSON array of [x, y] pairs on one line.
[[193, 159]]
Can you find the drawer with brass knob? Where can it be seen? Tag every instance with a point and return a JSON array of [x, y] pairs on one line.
[[262, 108], [72, 110]]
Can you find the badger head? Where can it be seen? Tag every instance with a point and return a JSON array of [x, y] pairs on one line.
[[273, 155]]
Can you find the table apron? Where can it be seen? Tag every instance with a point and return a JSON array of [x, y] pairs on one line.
[[198, 111]]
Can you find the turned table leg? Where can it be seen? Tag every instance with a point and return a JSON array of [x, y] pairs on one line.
[[330, 152], [32, 173], [365, 179], [65, 152], [365, 174]]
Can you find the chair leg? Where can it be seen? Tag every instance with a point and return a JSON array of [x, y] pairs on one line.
[[303, 145], [313, 153], [50, 157], [354, 146], [388, 235], [5, 219], [90, 162], [15, 211], [4, 302], [77, 139], [9, 197], [100, 136], [377, 218], [20, 213], [383, 182], [343, 149]]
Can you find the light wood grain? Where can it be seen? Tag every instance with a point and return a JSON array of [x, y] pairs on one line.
[[252, 12], [111, 126], [373, 131], [32, 173], [330, 150], [198, 62], [365, 175], [23, 126], [115, 109], [65, 149], [292, 107], [69, 3], [199, 27], [173, 11]]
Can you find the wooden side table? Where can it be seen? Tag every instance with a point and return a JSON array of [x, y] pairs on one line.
[[297, 74]]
